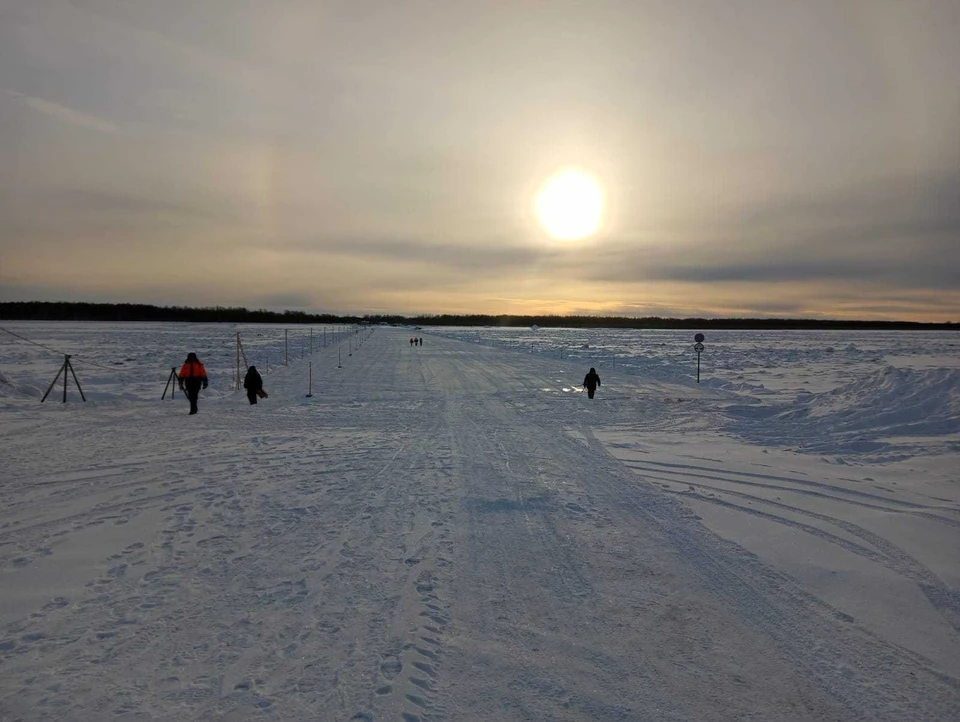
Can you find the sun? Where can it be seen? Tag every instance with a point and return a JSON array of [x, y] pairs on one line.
[[570, 205]]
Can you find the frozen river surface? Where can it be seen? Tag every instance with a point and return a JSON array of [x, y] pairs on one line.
[[454, 531]]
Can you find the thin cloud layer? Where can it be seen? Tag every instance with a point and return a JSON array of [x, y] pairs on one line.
[[757, 158]]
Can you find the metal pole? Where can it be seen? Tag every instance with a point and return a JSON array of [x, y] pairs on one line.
[[66, 361], [698, 367], [310, 381], [236, 380], [339, 363], [286, 349]]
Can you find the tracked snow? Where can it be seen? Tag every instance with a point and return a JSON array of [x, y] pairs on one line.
[[450, 532]]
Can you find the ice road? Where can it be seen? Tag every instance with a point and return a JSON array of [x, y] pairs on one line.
[[451, 532]]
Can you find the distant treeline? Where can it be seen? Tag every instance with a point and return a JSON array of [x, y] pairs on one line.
[[70, 311], [131, 312], [654, 322]]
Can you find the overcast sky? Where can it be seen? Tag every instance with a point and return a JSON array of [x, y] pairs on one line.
[[757, 157]]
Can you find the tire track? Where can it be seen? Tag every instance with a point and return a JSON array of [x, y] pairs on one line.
[[791, 480], [847, 661], [941, 597]]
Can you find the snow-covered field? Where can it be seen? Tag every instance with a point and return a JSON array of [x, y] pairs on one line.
[[454, 531]]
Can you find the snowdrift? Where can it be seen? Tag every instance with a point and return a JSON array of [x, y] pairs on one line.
[[891, 412]]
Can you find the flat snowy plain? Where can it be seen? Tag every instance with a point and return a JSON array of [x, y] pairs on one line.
[[455, 532]]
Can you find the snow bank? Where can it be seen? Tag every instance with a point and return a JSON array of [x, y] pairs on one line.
[[893, 413]]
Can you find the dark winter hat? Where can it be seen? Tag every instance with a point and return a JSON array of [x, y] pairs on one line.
[[192, 356], [593, 369]]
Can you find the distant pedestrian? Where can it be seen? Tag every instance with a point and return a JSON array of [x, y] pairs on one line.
[[193, 376], [253, 383], [421, 340], [591, 381], [411, 340]]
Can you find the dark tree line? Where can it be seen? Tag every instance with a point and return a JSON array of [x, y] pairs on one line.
[[71, 311], [653, 322]]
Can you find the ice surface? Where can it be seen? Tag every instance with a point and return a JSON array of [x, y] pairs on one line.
[[452, 531]]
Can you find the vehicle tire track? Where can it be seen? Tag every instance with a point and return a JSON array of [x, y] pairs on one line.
[[847, 661]]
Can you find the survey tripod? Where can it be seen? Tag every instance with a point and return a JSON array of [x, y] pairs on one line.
[[64, 367], [173, 387]]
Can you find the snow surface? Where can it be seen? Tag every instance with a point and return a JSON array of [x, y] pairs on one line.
[[453, 531]]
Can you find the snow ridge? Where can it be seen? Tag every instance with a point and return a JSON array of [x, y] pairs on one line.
[[888, 414]]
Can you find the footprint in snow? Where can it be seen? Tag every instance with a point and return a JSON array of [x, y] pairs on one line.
[[391, 667]]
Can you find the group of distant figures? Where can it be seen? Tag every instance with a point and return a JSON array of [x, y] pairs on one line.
[[193, 377], [414, 341]]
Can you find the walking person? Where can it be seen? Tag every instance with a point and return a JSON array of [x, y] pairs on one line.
[[253, 383], [192, 377], [591, 381]]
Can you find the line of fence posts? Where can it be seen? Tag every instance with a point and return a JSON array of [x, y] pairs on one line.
[[173, 378]]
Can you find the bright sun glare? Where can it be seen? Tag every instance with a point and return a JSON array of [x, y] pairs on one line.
[[570, 205]]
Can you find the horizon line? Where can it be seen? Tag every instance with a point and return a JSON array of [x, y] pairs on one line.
[[435, 315]]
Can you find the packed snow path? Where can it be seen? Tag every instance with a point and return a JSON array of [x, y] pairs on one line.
[[437, 534]]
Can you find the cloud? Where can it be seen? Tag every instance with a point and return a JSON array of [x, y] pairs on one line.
[[283, 301], [900, 232], [316, 151], [475, 257], [72, 200], [65, 114]]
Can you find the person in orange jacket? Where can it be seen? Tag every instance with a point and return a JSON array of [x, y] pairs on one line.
[[193, 376]]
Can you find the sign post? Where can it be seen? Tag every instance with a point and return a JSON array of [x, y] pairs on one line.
[[698, 347]]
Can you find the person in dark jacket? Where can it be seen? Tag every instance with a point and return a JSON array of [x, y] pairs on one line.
[[253, 383], [192, 377], [591, 381]]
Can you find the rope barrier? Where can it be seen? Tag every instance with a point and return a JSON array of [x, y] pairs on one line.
[[24, 338], [338, 335], [75, 357]]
